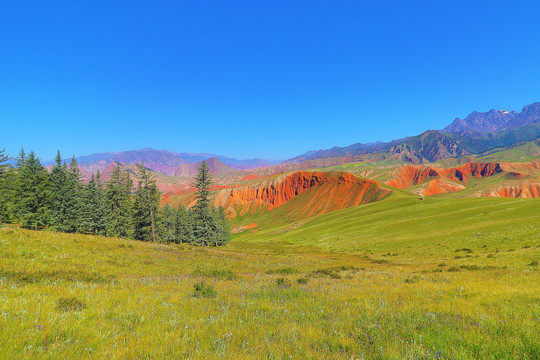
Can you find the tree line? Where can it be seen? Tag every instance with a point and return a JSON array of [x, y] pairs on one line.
[[33, 198]]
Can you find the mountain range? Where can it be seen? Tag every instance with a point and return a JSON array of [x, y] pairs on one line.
[[476, 134]]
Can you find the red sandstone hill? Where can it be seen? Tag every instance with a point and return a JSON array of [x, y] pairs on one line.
[[438, 181], [412, 175], [313, 193]]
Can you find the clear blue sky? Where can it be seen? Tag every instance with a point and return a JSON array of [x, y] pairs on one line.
[[245, 79]]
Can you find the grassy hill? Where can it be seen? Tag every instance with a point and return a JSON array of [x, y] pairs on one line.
[[402, 278]]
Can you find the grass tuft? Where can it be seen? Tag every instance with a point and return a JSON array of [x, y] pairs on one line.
[[70, 304], [203, 290]]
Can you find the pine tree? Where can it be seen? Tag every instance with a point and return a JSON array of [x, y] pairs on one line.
[[183, 228], [74, 197], [101, 207], [146, 205], [119, 206], [58, 194], [167, 225], [222, 230], [33, 183], [202, 217], [5, 185], [3, 160], [17, 187], [93, 214]]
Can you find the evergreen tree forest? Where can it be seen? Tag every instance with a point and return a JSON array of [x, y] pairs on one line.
[[34, 198]]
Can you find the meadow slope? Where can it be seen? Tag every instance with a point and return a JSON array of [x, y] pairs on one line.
[[401, 278]]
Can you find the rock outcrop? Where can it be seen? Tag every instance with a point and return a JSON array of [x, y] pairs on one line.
[[313, 193]]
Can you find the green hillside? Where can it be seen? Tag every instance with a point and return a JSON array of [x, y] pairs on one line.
[[402, 278]]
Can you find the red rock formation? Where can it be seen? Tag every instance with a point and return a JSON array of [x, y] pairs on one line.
[[477, 170], [439, 186], [324, 192], [525, 190], [531, 167], [251, 177], [411, 175]]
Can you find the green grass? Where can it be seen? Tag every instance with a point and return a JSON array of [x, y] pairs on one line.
[[378, 281]]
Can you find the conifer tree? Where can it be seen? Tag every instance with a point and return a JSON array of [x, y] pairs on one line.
[[202, 217], [183, 228], [74, 197], [119, 206], [146, 205], [5, 186], [58, 194], [33, 182], [167, 225], [17, 187], [222, 230], [101, 207], [93, 214]]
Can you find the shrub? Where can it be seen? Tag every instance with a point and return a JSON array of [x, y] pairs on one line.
[[215, 272], [282, 282], [282, 271], [202, 289], [467, 250], [302, 280], [533, 263], [453, 269], [69, 304]]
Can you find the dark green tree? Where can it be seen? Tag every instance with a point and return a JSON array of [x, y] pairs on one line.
[[74, 205], [6, 184], [221, 228], [119, 204], [167, 225], [147, 199], [59, 195], [33, 187], [183, 228], [93, 214], [202, 216], [101, 207]]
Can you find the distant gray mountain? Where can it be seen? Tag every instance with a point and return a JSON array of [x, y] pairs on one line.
[[475, 134], [164, 161], [478, 123]]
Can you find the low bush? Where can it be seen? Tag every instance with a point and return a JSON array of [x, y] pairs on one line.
[[70, 304], [203, 290], [283, 282]]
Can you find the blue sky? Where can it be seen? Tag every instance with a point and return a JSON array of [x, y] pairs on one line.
[[246, 79]]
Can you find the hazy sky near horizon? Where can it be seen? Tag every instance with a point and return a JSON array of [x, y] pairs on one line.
[[250, 79]]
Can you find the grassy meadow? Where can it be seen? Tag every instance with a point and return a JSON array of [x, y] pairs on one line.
[[402, 278]]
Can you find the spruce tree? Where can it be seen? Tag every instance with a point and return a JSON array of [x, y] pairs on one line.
[[101, 207], [202, 217], [33, 183], [74, 197], [17, 187], [5, 185], [147, 199], [119, 206], [183, 228], [58, 194], [167, 225], [222, 230], [92, 215]]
